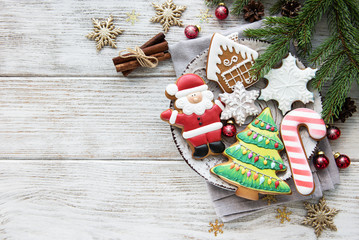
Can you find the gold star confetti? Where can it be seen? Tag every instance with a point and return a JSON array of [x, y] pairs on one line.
[[203, 17], [168, 14], [283, 214], [270, 199], [320, 216], [132, 17], [104, 33], [215, 228]]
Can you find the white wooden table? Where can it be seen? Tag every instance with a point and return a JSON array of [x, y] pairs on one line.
[[83, 152]]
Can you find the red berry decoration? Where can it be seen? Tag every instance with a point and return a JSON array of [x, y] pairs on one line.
[[333, 132], [320, 160], [342, 161], [276, 145], [229, 130], [191, 31], [221, 11]]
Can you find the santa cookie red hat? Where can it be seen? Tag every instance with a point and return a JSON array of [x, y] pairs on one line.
[[186, 84]]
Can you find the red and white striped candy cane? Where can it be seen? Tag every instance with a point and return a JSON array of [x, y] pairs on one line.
[[302, 175]]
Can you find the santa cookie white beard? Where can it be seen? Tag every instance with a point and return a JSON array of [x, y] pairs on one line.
[[196, 114], [197, 108]]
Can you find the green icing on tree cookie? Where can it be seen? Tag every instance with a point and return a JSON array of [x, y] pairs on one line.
[[265, 121], [254, 159]]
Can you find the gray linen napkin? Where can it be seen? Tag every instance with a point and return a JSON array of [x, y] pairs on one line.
[[228, 206]]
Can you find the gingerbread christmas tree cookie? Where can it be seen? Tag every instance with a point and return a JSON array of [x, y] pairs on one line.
[[229, 62], [254, 160]]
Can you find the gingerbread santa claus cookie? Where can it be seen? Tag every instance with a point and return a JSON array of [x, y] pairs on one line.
[[197, 115]]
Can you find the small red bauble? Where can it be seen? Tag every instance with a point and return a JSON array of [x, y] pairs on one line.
[[276, 145], [229, 130], [333, 132], [272, 129], [342, 161], [191, 31], [320, 161], [221, 11]]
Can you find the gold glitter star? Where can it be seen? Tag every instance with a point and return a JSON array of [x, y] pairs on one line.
[[320, 216], [283, 214], [270, 199], [203, 17], [132, 17], [104, 33], [215, 228], [168, 14]]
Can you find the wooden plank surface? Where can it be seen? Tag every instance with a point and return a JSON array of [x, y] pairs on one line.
[[141, 199], [83, 154]]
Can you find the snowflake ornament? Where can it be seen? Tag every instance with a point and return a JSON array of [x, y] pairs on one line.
[[320, 216], [239, 104], [283, 214], [204, 16], [270, 199], [132, 17], [215, 227], [288, 84], [168, 14], [104, 33]]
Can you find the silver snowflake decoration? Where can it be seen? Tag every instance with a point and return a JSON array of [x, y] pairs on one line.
[[168, 14], [104, 33], [239, 104], [288, 84]]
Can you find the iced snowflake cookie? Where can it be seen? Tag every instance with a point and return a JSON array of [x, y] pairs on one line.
[[239, 104], [229, 62], [288, 84], [196, 114], [254, 160]]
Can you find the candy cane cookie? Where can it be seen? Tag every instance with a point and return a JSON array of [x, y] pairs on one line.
[[302, 175]]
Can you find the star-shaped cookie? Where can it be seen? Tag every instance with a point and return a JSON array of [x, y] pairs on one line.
[[288, 84]]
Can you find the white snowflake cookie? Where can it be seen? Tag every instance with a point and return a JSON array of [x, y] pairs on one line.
[[239, 104], [288, 84]]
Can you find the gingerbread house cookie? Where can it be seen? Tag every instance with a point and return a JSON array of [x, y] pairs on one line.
[[229, 62]]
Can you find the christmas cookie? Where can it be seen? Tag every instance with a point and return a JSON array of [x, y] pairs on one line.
[[197, 115], [288, 84], [229, 62], [239, 104], [254, 160], [302, 175]]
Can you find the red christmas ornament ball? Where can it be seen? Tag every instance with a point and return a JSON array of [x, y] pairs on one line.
[[221, 11], [333, 132], [342, 161], [320, 160], [229, 130], [191, 31]]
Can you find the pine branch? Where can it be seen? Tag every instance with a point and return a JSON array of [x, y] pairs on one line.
[[307, 18], [338, 91], [329, 68], [324, 50], [213, 3], [277, 7], [238, 5]]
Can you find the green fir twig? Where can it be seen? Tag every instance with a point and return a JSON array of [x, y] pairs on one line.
[[337, 56]]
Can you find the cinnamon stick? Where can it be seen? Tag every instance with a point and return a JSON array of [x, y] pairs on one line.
[[156, 39], [124, 67], [160, 47]]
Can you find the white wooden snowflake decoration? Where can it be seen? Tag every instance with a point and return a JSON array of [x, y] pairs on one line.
[[104, 33], [288, 84], [239, 104], [168, 14]]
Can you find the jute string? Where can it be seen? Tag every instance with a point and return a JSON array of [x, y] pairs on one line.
[[142, 59]]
